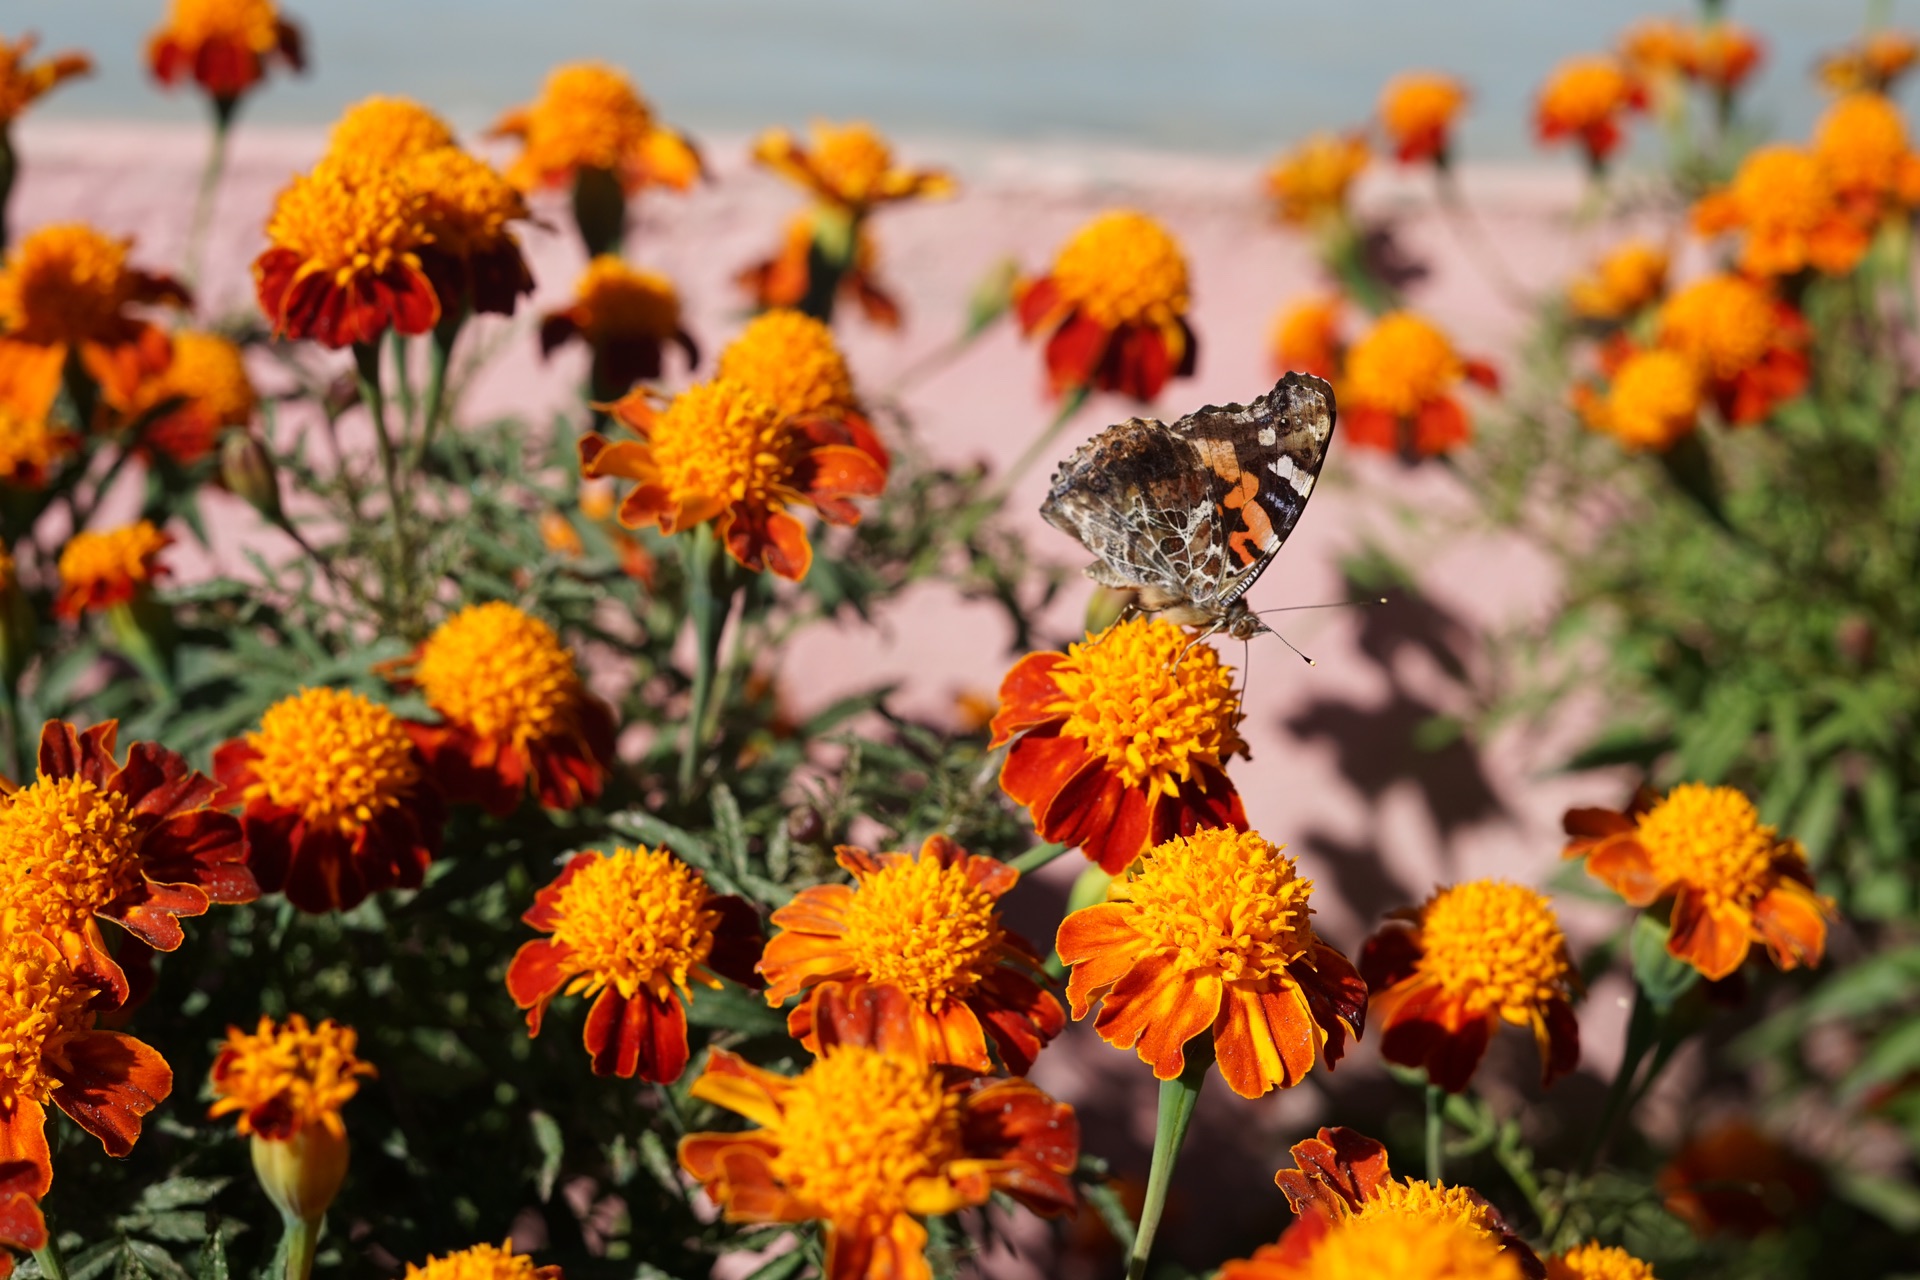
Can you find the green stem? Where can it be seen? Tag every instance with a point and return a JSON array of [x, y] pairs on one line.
[[52, 1265], [301, 1241], [1436, 1135], [1070, 404], [1642, 1029], [1037, 857], [439, 356], [830, 255], [707, 606], [366, 362], [210, 176], [1177, 1099], [403, 385]]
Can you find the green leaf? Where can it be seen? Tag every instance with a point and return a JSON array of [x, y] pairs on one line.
[[1664, 977], [732, 1008], [213, 1256], [790, 1263], [176, 1193], [1891, 1056], [551, 1144]]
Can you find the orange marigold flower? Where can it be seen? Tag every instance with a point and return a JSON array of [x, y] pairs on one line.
[[1654, 47], [1784, 203], [1733, 880], [207, 387], [1733, 1179], [50, 1051], [335, 800], [1310, 183], [1586, 99], [1398, 390], [1630, 277], [589, 116], [1653, 401], [138, 844], [786, 278], [1722, 56], [1113, 309], [99, 570], [1873, 64], [791, 360], [514, 712], [1595, 1261], [1861, 142], [1351, 1211], [635, 929], [1446, 975], [22, 84], [1417, 111], [869, 1140], [343, 262], [1307, 336], [1749, 346], [930, 925], [626, 317], [848, 166], [30, 447], [720, 452], [225, 45], [1211, 932], [1120, 743], [471, 256], [388, 130], [482, 1262]]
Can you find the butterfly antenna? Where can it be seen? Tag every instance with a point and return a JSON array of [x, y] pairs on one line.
[[1331, 604], [1290, 644]]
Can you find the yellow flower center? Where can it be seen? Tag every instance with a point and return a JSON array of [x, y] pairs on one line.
[[1148, 711], [1220, 900], [1654, 400], [29, 446], [613, 300], [1312, 180], [589, 116], [1725, 324], [481, 1262], [636, 919], [253, 23], [41, 1008], [1123, 268], [334, 757], [1712, 840], [1496, 946], [1594, 1261], [720, 440], [1419, 103], [1368, 1247], [923, 928], [66, 850], [349, 216], [309, 1072], [852, 160], [1627, 279], [65, 283], [1403, 364], [859, 1129], [501, 673], [388, 130], [790, 360], [123, 555], [1584, 92], [207, 374], [1862, 141]]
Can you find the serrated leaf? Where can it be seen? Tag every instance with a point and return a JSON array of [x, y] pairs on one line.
[[551, 1144], [730, 831], [176, 1193], [213, 1255], [653, 1154], [787, 1264]]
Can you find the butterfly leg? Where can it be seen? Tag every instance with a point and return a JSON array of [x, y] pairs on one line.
[[1210, 630]]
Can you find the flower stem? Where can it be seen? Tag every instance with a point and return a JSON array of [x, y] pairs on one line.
[[439, 356], [52, 1265], [1642, 1031], [366, 363], [830, 255], [707, 606], [1037, 857], [1070, 404], [1177, 1099], [1436, 1135], [209, 186], [301, 1241]]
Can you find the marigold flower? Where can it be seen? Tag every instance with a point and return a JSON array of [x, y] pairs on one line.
[[225, 45], [1120, 743], [207, 387], [22, 84], [1653, 401], [471, 256], [1350, 1209], [635, 929], [1586, 99], [589, 116], [1861, 141], [870, 1140], [791, 360], [1417, 111], [50, 1051], [344, 257], [1628, 278], [1307, 336], [625, 316], [92, 839], [786, 278], [99, 570], [1113, 308], [1310, 183], [1722, 56], [1733, 880], [514, 712], [1873, 64], [848, 166], [482, 1262], [388, 130], [1749, 346], [1656, 47], [1446, 975], [1784, 203], [335, 800], [1397, 394], [1733, 1179], [1595, 1261], [30, 447], [1211, 931], [720, 452], [928, 924]]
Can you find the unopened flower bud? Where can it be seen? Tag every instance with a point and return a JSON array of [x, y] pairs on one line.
[[246, 468]]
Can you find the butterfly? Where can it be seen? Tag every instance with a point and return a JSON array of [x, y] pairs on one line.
[[1187, 515]]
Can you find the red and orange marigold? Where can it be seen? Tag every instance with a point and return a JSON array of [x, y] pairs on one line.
[[791, 360], [1873, 64], [1306, 336], [101, 569], [335, 799], [223, 45], [470, 255], [634, 929], [1784, 205], [847, 166], [1586, 99], [1749, 346], [1624, 282], [1210, 933], [31, 447], [482, 1262], [1417, 111], [23, 82], [1652, 401], [514, 713], [786, 278], [208, 391], [625, 316], [1595, 1261], [1732, 879], [1397, 391], [590, 117], [1861, 143], [1446, 975], [1309, 184], [1121, 742], [928, 924], [1722, 56], [870, 1139], [1113, 309], [1731, 1178]]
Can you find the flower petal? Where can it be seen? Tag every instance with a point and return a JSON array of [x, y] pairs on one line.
[[109, 1081], [1157, 1008]]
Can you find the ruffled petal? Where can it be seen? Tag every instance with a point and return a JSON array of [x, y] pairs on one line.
[[109, 1081], [1156, 1008]]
